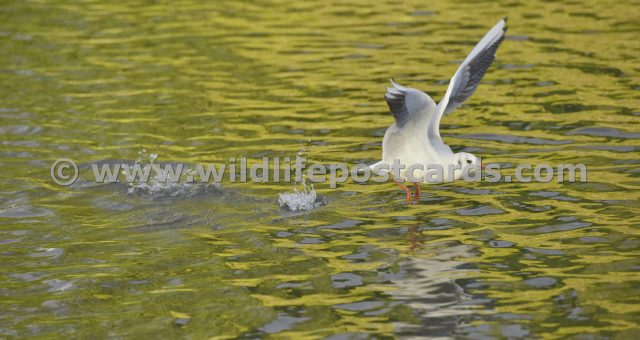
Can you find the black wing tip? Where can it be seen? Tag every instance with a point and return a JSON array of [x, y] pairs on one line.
[[505, 28]]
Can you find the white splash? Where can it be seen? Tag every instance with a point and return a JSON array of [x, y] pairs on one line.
[[299, 200], [307, 199], [160, 186]]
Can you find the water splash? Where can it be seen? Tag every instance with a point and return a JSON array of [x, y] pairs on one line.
[[159, 186], [307, 199]]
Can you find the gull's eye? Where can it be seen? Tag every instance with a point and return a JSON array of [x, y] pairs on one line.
[[468, 161]]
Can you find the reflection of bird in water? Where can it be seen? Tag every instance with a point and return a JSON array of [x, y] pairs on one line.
[[428, 286], [413, 232], [414, 137]]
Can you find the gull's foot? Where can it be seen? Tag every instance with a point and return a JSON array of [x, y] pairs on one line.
[[406, 190], [416, 196]]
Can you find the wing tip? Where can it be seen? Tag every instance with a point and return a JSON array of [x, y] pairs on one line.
[[503, 21], [397, 86]]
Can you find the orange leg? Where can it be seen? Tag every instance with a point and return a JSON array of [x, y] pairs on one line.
[[416, 197], [406, 190]]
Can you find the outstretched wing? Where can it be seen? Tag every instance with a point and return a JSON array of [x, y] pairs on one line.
[[405, 103], [468, 76]]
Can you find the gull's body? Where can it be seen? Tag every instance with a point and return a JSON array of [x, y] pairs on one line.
[[414, 137]]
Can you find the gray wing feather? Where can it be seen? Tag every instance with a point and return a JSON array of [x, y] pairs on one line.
[[396, 99], [468, 76], [471, 74], [405, 102]]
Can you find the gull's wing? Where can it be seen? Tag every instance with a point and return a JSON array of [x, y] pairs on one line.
[[404, 102], [468, 76]]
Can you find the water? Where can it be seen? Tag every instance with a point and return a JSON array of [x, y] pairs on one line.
[[199, 83]]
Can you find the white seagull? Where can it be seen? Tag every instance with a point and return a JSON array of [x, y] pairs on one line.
[[414, 137]]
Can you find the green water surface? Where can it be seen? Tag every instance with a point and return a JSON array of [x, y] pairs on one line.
[[199, 82]]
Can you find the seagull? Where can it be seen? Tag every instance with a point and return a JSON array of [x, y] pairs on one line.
[[414, 137]]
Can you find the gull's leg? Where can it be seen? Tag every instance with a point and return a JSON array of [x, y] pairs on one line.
[[416, 197], [406, 190]]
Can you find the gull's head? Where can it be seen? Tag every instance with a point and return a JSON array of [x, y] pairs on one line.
[[464, 159]]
